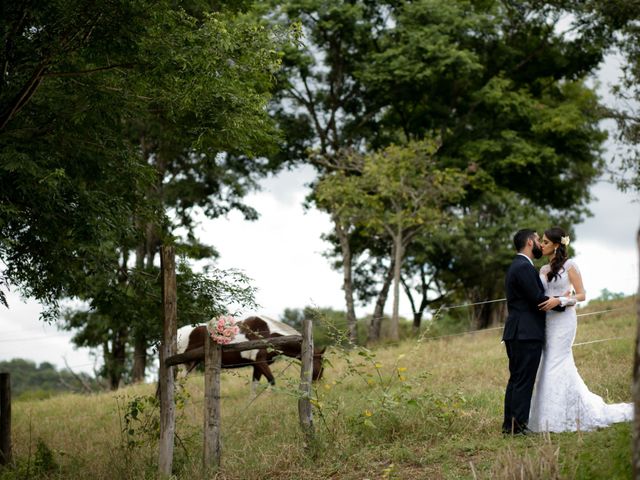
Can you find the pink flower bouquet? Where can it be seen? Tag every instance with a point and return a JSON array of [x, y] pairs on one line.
[[223, 329]]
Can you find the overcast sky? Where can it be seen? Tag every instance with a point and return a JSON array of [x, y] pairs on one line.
[[282, 253]]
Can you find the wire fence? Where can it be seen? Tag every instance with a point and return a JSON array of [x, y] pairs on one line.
[[289, 363], [429, 338]]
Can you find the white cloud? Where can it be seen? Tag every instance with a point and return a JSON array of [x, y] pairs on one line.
[[281, 252], [608, 267], [615, 220], [23, 335]]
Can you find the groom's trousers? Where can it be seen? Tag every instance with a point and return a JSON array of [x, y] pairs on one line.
[[524, 359]]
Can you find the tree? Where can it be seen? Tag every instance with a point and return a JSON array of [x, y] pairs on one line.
[[42, 381], [70, 180], [133, 310], [319, 101], [399, 194], [133, 112], [423, 280], [502, 84], [478, 250], [621, 17], [204, 127], [505, 87]]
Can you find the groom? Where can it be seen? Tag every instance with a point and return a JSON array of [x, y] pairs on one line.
[[523, 331]]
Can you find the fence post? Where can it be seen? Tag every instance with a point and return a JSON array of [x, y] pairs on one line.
[[636, 386], [306, 372], [5, 418], [212, 372], [167, 349]]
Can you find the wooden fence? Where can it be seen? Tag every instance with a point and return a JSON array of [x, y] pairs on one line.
[[166, 380], [212, 353], [5, 418]]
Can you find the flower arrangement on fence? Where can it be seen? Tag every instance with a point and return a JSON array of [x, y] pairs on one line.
[[223, 329]]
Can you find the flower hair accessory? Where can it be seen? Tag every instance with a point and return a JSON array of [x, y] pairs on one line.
[[565, 240], [223, 329]]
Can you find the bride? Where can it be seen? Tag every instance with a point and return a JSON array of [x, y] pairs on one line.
[[562, 402]]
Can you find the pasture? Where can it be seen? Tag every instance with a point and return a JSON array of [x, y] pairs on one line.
[[426, 408]]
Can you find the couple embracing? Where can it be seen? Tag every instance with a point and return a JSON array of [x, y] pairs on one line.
[[538, 334]]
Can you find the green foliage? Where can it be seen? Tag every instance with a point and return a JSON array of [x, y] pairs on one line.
[[397, 194], [502, 85], [133, 309], [606, 295], [471, 256], [71, 181], [140, 419], [393, 400], [319, 101], [117, 99], [399, 189], [30, 381], [117, 122], [589, 462], [329, 325], [40, 464], [44, 462]]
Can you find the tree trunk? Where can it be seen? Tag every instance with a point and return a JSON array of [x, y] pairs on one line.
[[378, 313], [486, 314], [417, 320], [347, 283], [397, 261], [139, 359], [482, 315], [418, 312], [118, 358]]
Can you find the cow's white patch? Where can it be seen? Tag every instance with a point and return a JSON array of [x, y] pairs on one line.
[[183, 337], [250, 355], [247, 354], [240, 337]]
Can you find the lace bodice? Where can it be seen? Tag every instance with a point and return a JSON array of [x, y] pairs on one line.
[[562, 402], [558, 286]]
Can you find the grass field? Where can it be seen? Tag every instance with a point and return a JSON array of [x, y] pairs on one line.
[[428, 408]]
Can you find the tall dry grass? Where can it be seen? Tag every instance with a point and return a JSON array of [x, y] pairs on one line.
[[420, 409]]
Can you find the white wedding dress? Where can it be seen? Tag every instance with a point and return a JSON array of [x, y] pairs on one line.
[[561, 400]]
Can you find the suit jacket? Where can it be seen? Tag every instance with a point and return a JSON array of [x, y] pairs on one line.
[[524, 292]]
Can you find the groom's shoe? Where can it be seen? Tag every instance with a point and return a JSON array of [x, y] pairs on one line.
[[524, 431]]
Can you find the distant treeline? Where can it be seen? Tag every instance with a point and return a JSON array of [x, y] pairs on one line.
[[29, 380]]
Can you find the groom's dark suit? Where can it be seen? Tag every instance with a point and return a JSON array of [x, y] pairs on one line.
[[524, 337]]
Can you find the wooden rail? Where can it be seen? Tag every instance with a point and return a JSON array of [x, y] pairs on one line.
[[198, 353]]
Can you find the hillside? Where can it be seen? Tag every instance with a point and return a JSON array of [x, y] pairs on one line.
[[32, 381], [421, 409]]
